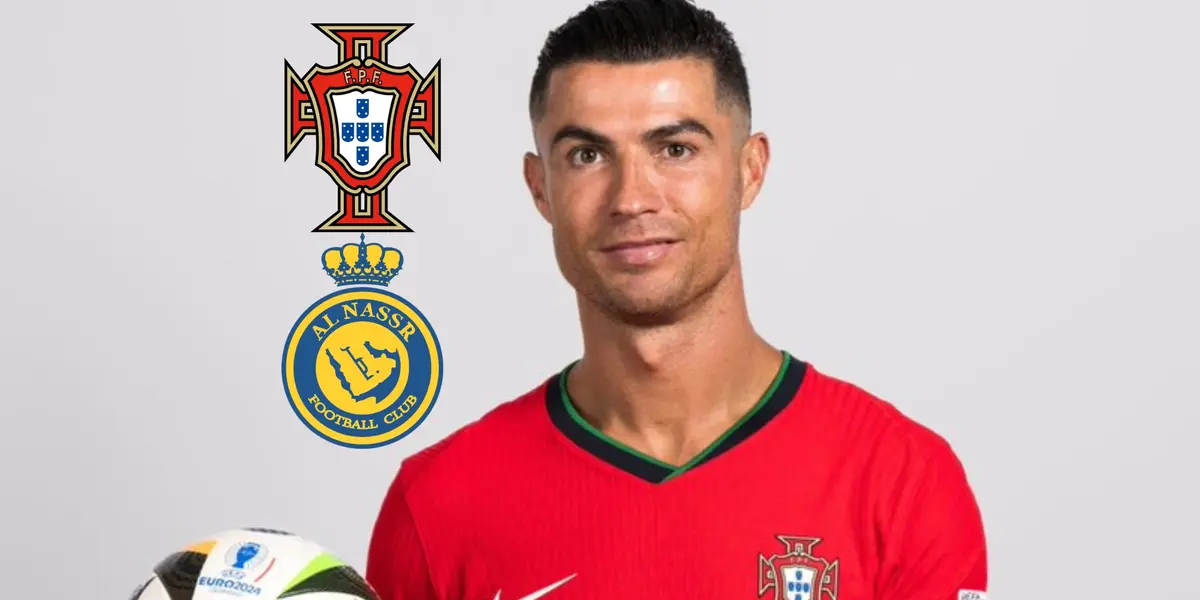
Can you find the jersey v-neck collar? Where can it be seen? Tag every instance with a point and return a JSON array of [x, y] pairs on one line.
[[572, 425]]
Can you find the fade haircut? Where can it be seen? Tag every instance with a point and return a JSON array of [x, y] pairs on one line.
[[641, 31]]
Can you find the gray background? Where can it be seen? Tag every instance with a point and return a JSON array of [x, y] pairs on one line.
[[984, 212]]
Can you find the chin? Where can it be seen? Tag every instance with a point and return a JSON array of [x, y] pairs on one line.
[[649, 298], [641, 308]]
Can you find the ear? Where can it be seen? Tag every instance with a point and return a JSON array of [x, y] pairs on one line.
[[756, 155], [535, 180]]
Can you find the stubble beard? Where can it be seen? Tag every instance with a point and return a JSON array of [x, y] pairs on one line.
[[646, 306], [642, 305]]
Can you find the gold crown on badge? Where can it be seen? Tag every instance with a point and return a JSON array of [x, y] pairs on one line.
[[362, 263]]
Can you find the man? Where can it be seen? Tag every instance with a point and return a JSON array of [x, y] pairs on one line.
[[682, 456]]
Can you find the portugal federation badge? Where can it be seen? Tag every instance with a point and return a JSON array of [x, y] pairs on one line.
[[363, 112], [798, 573]]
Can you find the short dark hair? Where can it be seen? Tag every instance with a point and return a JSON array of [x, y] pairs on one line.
[[637, 31]]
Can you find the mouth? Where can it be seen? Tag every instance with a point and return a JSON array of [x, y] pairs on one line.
[[638, 244], [642, 252]]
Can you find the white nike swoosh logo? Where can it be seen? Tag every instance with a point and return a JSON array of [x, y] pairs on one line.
[[545, 590]]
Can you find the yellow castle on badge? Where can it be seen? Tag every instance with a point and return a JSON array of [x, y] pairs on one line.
[[362, 263]]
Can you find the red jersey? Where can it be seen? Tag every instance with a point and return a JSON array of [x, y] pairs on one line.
[[822, 492]]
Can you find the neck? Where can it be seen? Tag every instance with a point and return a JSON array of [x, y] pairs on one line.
[[670, 391]]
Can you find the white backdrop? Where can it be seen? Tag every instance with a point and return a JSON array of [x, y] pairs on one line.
[[984, 212]]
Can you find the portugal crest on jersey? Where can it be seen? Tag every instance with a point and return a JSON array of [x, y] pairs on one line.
[[797, 574]]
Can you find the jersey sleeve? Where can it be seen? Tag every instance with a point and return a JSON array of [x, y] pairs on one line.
[[936, 548], [396, 563]]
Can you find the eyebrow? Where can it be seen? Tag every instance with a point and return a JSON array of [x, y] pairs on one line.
[[657, 134], [583, 134], [674, 129]]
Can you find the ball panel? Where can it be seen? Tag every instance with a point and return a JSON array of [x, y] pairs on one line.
[[253, 563], [137, 592], [341, 580], [178, 572], [321, 562], [151, 590]]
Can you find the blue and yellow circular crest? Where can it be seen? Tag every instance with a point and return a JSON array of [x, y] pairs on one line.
[[362, 367]]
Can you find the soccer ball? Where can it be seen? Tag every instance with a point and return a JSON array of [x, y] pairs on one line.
[[255, 564]]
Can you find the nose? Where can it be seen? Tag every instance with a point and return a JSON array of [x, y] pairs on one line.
[[636, 188]]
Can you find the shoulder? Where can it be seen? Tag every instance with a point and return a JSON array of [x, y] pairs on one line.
[[898, 461], [873, 422], [904, 464], [915, 492]]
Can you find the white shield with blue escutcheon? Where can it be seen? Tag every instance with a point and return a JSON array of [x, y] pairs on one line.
[[362, 128], [799, 583]]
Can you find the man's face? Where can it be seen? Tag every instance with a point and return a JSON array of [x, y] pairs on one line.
[[642, 174]]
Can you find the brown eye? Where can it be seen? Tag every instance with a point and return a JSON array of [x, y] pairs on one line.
[[678, 150], [586, 156]]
